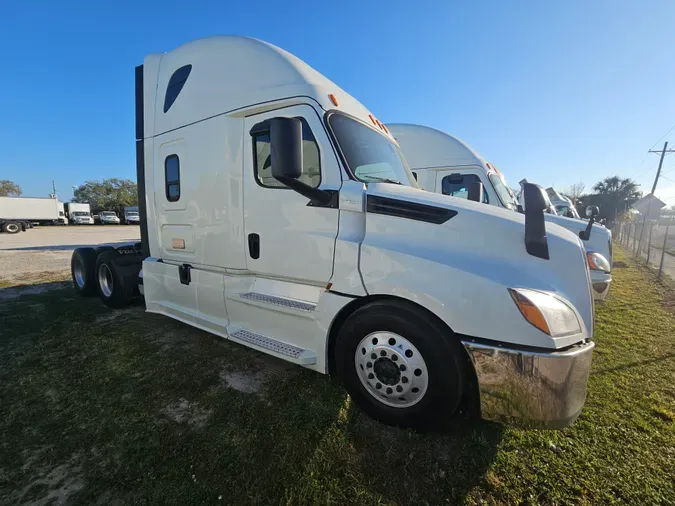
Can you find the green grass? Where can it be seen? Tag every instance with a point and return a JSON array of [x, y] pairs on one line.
[[123, 407]]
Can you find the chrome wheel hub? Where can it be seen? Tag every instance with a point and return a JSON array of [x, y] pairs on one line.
[[78, 272], [391, 369], [105, 280]]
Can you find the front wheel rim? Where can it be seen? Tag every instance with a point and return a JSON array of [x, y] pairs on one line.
[[12, 227], [391, 369], [105, 280]]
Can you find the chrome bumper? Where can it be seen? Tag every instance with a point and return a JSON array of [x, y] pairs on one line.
[[531, 389], [601, 283]]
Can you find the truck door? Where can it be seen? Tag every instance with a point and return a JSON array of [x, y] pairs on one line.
[[456, 183], [287, 238]]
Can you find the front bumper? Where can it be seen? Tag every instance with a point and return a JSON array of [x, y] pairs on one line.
[[601, 282], [531, 389]]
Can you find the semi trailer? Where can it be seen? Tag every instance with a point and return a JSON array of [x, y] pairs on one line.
[[280, 214], [20, 213], [444, 164]]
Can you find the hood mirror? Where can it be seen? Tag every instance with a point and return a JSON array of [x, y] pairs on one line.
[[536, 203], [592, 211]]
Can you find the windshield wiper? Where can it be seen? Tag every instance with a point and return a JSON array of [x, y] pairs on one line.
[[384, 180]]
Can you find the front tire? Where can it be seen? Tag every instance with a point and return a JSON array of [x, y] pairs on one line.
[[400, 366]]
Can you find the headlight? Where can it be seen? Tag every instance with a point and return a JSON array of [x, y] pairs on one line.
[[548, 312], [597, 262]]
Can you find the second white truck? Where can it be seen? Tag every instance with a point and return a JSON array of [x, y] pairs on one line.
[[445, 164], [79, 213], [277, 212]]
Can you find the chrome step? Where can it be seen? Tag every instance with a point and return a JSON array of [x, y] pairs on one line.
[[278, 301], [299, 355]]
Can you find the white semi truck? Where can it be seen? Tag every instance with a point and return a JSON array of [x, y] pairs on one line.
[[563, 205], [280, 214], [445, 164], [20, 213], [79, 213]]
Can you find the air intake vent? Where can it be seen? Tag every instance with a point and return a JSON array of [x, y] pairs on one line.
[[409, 210]]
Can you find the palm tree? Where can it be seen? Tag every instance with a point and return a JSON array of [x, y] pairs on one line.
[[617, 195]]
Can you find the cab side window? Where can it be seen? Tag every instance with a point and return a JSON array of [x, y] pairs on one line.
[[457, 185], [262, 159], [172, 178]]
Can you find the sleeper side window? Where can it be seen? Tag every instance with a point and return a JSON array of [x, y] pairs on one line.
[[175, 86], [457, 185], [172, 177], [262, 159]]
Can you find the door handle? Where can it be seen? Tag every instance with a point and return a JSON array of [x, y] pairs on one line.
[[254, 245], [184, 274]]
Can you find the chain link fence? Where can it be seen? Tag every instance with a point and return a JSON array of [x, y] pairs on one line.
[[652, 242]]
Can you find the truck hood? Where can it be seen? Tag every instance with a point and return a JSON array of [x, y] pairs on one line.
[[599, 240], [486, 241]]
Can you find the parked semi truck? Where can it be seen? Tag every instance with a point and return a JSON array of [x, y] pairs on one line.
[[563, 205], [445, 164], [280, 214], [20, 213], [79, 213], [131, 215]]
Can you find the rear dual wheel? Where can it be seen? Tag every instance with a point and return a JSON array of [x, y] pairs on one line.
[[116, 284], [401, 366]]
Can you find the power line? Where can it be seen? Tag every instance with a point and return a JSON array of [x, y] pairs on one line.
[[664, 136], [647, 154]]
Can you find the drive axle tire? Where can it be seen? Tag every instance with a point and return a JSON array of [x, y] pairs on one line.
[[116, 283], [82, 267], [400, 366]]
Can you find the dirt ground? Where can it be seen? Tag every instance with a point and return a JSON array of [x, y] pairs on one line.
[[48, 249]]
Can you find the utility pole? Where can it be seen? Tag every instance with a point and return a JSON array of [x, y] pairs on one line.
[[656, 180], [663, 154]]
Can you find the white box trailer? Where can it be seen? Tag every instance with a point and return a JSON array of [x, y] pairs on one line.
[[17, 213], [444, 164], [279, 213]]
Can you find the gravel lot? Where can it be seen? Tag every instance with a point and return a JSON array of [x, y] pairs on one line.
[[48, 249]]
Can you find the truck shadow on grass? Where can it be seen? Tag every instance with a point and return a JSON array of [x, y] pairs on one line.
[[134, 407]]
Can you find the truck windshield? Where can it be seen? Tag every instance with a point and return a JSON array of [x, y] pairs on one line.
[[80, 213], [371, 157], [568, 211], [503, 192], [107, 213], [132, 213]]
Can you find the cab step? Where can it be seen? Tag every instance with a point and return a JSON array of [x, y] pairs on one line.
[[294, 353], [278, 301]]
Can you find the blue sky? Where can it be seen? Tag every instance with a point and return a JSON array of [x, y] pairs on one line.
[[557, 92]]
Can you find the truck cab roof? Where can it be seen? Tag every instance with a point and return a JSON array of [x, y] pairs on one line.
[[224, 73], [427, 148]]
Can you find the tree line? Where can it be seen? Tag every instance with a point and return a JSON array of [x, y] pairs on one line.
[[106, 195]]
